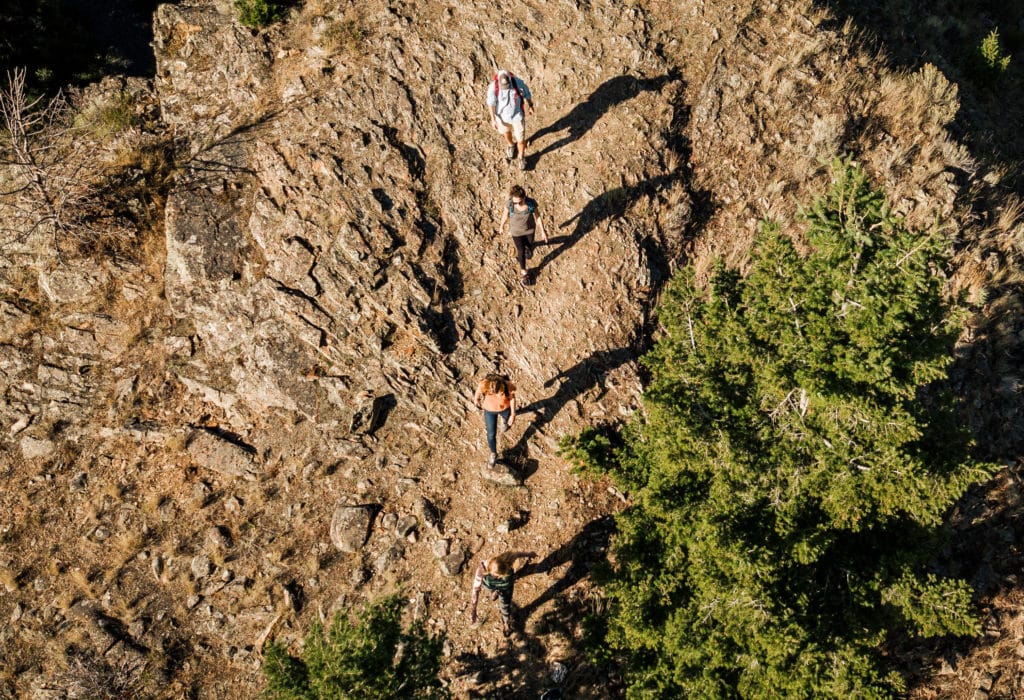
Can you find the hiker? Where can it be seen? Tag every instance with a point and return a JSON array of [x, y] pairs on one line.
[[496, 395], [498, 574], [506, 98], [523, 225]]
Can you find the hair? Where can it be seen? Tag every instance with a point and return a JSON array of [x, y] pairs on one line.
[[499, 566], [495, 384], [517, 191]]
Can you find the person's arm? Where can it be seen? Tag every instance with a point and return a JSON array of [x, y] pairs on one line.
[[512, 403], [504, 220], [540, 226], [492, 109], [526, 555], [477, 580], [527, 97]]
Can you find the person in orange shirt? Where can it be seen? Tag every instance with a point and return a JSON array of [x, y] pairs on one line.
[[496, 395]]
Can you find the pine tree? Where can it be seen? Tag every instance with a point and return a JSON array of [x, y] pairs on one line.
[[792, 465], [371, 659]]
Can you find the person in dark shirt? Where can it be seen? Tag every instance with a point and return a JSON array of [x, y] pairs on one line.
[[524, 224], [498, 574]]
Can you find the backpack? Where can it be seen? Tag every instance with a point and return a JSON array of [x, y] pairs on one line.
[[515, 87], [531, 206]]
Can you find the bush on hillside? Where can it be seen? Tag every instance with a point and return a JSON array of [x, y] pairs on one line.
[[370, 659], [992, 57], [259, 13], [795, 457]]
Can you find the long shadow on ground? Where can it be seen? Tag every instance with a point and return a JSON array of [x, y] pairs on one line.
[[581, 118], [572, 383]]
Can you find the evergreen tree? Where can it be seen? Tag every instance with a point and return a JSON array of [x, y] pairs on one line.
[[371, 659], [791, 467]]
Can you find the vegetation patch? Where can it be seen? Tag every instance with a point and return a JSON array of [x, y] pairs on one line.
[[789, 475], [372, 658]]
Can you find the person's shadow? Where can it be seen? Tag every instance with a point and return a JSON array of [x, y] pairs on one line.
[[607, 205], [574, 381], [583, 116], [583, 552]]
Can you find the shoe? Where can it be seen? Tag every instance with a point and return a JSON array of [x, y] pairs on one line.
[[522, 163], [524, 279], [510, 152], [493, 458]]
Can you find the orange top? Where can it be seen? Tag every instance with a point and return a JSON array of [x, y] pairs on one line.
[[497, 401]]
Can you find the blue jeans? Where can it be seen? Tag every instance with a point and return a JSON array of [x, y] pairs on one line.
[[491, 422]]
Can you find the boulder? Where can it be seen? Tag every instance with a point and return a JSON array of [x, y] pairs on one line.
[[350, 527]]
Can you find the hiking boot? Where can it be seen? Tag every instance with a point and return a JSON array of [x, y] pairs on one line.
[[510, 152], [491, 460], [524, 279], [522, 163]]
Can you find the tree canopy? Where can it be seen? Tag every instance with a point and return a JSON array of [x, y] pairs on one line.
[[792, 464]]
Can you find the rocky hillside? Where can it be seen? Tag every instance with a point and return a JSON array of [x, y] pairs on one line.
[[198, 437]]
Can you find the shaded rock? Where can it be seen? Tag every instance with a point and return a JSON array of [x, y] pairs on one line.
[[499, 474], [350, 527], [212, 452], [428, 513], [371, 413], [406, 526], [451, 565], [218, 538], [389, 557]]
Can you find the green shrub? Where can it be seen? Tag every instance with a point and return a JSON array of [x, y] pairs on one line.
[[792, 465], [593, 451], [259, 13], [992, 58], [371, 659]]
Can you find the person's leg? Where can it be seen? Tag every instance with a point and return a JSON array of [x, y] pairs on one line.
[[491, 424], [520, 244], [504, 418], [505, 130], [505, 608], [519, 133]]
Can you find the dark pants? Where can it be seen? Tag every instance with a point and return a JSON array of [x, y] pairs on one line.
[[491, 422], [524, 249], [502, 588]]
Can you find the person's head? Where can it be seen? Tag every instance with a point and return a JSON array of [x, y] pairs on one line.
[[495, 384], [517, 194], [498, 566], [503, 80]]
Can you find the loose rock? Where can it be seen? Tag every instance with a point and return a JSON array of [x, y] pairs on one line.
[[350, 527]]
